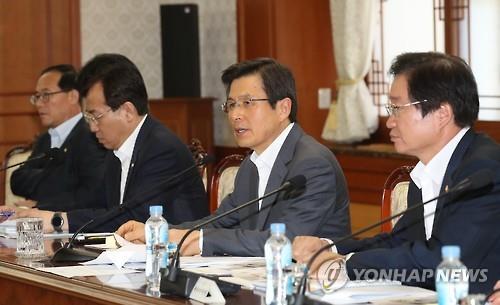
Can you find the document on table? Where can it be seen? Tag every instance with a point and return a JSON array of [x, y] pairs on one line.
[[127, 253], [244, 271], [8, 229], [95, 270], [378, 294]]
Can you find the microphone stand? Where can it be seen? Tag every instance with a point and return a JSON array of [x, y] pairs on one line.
[[477, 180], [69, 253], [182, 287]]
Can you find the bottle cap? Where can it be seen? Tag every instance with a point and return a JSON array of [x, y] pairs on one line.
[[278, 228], [450, 252], [156, 210]]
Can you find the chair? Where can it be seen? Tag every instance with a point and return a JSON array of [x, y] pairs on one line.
[[395, 195], [15, 155], [222, 182], [199, 153]]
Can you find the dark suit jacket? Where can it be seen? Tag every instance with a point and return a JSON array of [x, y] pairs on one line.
[[470, 221], [66, 184], [322, 209], [158, 154]]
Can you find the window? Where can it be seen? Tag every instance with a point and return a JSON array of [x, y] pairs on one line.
[[468, 28]]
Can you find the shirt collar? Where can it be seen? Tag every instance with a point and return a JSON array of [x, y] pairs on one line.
[[269, 155], [127, 148], [436, 167], [63, 129]]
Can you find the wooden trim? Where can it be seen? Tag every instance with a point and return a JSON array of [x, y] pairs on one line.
[[229, 161], [398, 175], [74, 15], [92, 293]]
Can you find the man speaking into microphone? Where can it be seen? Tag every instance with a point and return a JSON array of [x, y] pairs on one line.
[[261, 107], [68, 180], [433, 104]]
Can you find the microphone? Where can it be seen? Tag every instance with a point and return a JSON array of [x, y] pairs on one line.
[[478, 180], [68, 253], [52, 154], [184, 286]]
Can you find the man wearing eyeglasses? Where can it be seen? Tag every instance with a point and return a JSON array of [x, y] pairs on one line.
[[433, 105], [262, 107], [69, 181], [142, 154]]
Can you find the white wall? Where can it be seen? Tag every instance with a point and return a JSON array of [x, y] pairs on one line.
[[132, 28]]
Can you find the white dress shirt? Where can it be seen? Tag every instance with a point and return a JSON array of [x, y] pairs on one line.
[[59, 134], [429, 178], [124, 153], [264, 163]]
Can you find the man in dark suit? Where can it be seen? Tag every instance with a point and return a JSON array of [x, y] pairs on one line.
[[262, 109], [433, 104], [69, 180], [142, 155]]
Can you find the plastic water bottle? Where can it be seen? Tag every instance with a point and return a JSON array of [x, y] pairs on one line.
[[156, 231], [452, 277], [278, 252]]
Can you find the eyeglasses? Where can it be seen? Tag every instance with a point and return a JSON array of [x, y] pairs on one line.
[[246, 102], [394, 110], [90, 118], [44, 96]]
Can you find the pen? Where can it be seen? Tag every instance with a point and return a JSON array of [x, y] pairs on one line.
[[6, 213]]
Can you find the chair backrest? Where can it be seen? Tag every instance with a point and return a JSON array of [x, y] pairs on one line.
[[395, 195], [222, 182], [199, 153], [15, 155]]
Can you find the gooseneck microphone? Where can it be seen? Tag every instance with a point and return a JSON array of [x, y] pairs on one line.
[[479, 180], [294, 183], [69, 253], [52, 154]]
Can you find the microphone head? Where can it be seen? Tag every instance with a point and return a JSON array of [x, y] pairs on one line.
[[297, 182], [55, 154], [481, 179], [294, 187], [209, 158]]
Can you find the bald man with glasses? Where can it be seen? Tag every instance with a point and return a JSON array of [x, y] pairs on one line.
[[69, 181]]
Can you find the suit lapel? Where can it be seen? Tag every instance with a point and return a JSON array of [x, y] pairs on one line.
[[253, 187], [114, 172], [278, 174], [455, 161]]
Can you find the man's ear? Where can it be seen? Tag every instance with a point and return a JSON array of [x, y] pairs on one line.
[[74, 96], [445, 114], [284, 107], [129, 110]]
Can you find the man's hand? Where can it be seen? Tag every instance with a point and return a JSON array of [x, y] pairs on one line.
[[305, 246], [46, 216], [495, 298], [27, 204], [190, 246], [132, 231]]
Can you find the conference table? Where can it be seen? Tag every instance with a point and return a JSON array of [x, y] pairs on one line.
[[21, 283]]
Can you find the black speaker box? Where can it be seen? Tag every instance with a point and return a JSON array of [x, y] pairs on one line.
[[180, 50]]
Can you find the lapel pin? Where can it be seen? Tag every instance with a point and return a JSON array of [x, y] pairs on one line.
[[446, 188]]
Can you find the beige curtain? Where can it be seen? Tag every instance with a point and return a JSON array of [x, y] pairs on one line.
[[354, 117]]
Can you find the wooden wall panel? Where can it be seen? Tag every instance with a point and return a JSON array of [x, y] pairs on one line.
[[23, 47], [187, 117], [298, 34], [34, 34]]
